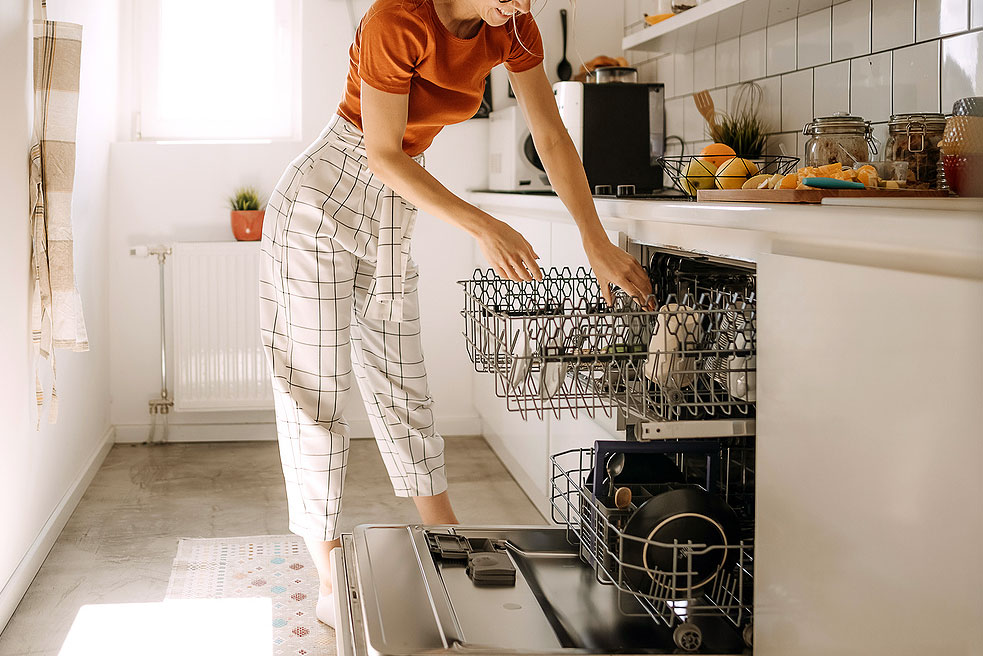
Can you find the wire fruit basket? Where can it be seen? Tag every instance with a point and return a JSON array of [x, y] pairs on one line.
[[622, 556], [556, 346], [690, 173]]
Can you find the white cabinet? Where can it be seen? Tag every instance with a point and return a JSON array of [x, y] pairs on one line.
[[524, 446], [870, 439]]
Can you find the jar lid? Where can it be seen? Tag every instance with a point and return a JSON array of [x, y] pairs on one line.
[[932, 121], [972, 106], [840, 122]]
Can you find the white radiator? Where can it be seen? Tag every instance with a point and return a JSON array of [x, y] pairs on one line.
[[218, 358]]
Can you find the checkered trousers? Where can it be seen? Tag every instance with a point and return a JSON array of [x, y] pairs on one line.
[[329, 307]]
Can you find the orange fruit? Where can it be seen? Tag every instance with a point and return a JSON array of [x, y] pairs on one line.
[[790, 181], [717, 154]]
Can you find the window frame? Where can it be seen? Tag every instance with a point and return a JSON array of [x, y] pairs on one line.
[[148, 125]]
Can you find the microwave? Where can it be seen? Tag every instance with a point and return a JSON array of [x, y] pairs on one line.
[[619, 132], [513, 164]]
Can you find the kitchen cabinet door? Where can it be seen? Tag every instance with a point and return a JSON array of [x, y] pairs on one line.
[[870, 416], [566, 248], [521, 445]]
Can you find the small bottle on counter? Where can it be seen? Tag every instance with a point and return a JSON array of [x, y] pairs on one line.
[[914, 138], [838, 138]]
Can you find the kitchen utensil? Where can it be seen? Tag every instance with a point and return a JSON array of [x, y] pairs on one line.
[[564, 70], [643, 462], [971, 106], [612, 74], [832, 183], [685, 516], [964, 173], [742, 378], [833, 137], [614, 466], [887, 170], [677, 330], [554, 369], [704, 105], [521, 357], [622, 498], [913, 139]]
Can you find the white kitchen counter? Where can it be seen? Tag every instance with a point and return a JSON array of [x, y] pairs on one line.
[[946, 242]]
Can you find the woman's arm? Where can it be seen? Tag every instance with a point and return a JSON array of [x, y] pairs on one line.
[[566, 174], [383, 124]]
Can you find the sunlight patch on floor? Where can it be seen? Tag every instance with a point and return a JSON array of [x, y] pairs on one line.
[[188, 627]]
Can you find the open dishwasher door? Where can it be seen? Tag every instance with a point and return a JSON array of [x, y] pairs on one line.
[[398, 596]]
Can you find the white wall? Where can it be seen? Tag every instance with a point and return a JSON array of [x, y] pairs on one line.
[[163, 193], [872, 58], [43, 473]]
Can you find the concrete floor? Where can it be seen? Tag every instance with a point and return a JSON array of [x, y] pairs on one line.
[[120, 541]]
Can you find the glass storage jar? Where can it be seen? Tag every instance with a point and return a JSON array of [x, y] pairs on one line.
[[914, 138], [838, 138]]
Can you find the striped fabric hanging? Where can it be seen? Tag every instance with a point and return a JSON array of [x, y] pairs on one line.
[[56, 305]]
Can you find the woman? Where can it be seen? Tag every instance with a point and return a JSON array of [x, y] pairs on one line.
[[337, 278]]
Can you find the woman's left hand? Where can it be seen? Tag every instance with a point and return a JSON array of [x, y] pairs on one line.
[[613, 265]]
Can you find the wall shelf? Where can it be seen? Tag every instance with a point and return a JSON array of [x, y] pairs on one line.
[[717, 20]]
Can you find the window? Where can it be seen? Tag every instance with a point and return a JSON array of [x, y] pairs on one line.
[[217, 69]]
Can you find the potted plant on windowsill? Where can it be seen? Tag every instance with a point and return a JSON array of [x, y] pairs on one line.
[[247, 217]]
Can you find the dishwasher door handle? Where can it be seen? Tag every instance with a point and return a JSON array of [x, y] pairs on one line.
[[347, 613]]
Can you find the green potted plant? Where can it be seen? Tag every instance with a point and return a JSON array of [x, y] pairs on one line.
[[742, 129], [247, 214]]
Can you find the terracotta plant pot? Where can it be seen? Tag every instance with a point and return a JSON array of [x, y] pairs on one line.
[[247, 225]]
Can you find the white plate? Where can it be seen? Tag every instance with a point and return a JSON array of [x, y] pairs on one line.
[[522, 357], [553, 373]]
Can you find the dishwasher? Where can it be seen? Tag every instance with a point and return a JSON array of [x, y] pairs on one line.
[[652, 546]]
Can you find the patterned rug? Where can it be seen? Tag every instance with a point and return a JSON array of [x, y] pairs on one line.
[[275, 566]]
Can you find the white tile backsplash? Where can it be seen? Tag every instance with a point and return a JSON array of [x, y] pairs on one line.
[[781, 48], [676, 117], [704, 68], [796, 100], [871, 58], [683, 73], [916, 78], [895, 24], [755, 15], [831, 89], [753, 55], [962, 69], [665, 72], [695, 125], [815, 33], [851, 29], [728, 62], [870, 87], [770, 109], [935, 18]]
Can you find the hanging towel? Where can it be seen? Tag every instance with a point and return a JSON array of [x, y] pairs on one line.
[[56, 306]]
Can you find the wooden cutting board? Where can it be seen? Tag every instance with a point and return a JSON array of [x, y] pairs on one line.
[[808, 195]]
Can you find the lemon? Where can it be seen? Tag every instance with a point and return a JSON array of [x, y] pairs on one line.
[[733, 173], [699, 175]]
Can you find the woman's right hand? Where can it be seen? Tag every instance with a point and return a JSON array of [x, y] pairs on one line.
[[508, 252]]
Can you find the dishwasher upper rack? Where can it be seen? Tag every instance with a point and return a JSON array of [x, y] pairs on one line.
[[555, 345], [597, 529]]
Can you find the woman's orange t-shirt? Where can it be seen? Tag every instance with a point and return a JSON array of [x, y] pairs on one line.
[[402, 47]]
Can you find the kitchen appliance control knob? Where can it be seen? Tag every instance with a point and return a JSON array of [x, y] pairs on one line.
[[602, 190], [626, 190]]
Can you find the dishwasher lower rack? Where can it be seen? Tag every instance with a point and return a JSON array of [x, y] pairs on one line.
[[670, 596], [556, 346]]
